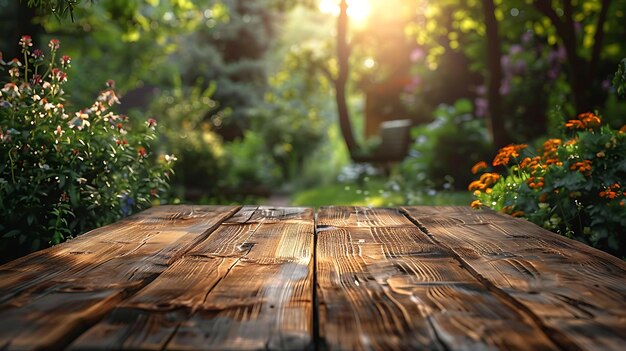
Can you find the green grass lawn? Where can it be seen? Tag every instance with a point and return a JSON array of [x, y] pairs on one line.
[[371, 193]]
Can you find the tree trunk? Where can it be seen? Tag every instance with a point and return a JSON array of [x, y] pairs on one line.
[[494, 77], [343, 55], [581, 71]]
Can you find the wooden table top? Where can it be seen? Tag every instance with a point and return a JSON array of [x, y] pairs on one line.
[[341, 278]]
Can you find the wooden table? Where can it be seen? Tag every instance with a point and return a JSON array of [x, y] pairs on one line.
[[344, 278]]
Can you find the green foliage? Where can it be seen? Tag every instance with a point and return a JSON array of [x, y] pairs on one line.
[[188, 120], [63, 173], [572, 186], [444, 148], [57, 7], [130, 42], [232, 53], [250, 166]]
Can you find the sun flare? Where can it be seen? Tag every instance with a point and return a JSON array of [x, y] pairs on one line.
[[358, 10]]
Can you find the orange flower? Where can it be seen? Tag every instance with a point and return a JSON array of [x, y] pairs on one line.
[[476, 204], [535, 182], [623, 129], [504, 154], [489, 178], [517, 213], [585, 120], [582, 167], [553, 161], [590, 120], [611, 192], [543, 197], [572, 141], [574, 124], [476, 185], [531, 163], [550, 146], [479, 167]]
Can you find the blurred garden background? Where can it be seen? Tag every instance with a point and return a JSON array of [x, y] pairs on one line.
[[112, 106]]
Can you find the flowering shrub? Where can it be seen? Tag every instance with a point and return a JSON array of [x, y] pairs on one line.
[[575, 186], [62, 173]]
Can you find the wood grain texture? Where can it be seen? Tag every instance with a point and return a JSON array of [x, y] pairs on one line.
[[385, 285], [50, 297], [247, 286], [576, 292]]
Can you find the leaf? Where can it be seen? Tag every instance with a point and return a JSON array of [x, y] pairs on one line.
[[30, 219], [11, 233]]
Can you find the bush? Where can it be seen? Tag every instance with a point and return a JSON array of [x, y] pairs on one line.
[[64, 173], [445, 149], [188, 118], [573, 186]]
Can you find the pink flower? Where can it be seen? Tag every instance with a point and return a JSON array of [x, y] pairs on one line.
[[37, 54], [59, 131], [26, 41], [15, 63], [151, 122], [59, 75], [141, 151], [37, 79], [54, 44], [110, 83], [65, 60]]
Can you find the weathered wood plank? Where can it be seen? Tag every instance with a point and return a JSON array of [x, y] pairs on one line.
[[576, 292], [48, 298], [390, 287], [247, 286]]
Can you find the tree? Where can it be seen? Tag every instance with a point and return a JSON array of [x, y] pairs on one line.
[[494, 76], [343, 58], [583, 70]]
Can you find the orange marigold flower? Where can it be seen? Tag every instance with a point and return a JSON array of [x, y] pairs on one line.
[[582, 167], [535, 182], [489, 178], [476, 185], [574, 124], [611, 192], [543, 197], [476, 204], [504, 154], [623, 129], [553, 161], [590, 120], [479, 167], [531, 163], [551, 145], [570, 142], [585, 120]]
